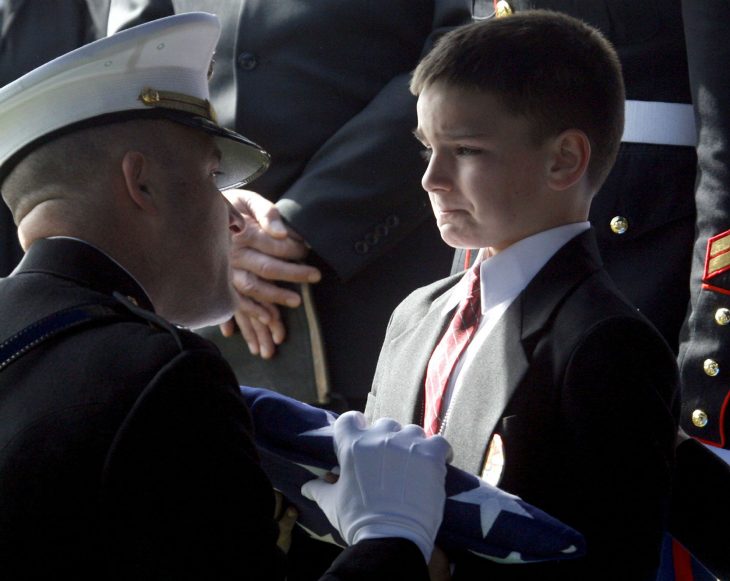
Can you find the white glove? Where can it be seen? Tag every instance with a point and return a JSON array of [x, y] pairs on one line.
[[391, 482]]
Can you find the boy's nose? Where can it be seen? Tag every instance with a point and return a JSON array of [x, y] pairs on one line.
[[436, 176]]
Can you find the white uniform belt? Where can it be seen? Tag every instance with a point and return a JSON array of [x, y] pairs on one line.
[[659, 123]]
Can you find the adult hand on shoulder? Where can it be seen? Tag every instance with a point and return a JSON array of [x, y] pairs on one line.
[[391, 482], [262, 253]]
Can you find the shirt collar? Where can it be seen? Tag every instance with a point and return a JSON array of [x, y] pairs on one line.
[[506, 274]]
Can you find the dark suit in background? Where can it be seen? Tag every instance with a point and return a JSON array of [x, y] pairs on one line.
[[323, 86], [33, 33], [558, 378], [704, 356]]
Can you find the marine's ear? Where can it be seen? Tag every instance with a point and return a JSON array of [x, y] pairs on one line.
[[135, 170], [571, 152]]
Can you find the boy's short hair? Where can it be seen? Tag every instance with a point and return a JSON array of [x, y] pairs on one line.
[[555, 70]]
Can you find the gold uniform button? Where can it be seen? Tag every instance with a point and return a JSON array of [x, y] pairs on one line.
[[711, 367], [722, 316], [132, 300], [502, 9], [699, 418], [619, 224]]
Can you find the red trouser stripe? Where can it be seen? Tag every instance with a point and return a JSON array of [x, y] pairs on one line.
[[682, 562]]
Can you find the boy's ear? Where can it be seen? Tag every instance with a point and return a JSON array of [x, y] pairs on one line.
[[135, 170], [569, 162]]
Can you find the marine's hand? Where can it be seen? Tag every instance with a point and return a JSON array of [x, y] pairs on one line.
[[391, 482]]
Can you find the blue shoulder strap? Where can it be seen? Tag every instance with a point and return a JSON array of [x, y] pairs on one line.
[[52, 325]]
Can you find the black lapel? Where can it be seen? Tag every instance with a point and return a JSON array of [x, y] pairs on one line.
[[572, 264]]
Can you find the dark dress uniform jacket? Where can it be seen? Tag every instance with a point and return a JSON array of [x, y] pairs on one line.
[[706, 387], [323, 86], [581, 389], [125, 447]]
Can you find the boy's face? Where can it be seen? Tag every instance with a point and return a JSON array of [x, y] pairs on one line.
[[485, 177]]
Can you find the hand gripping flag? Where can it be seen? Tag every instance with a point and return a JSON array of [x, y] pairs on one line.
[[295, 444]]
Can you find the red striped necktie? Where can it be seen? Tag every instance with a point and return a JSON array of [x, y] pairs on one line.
[[448, 350]]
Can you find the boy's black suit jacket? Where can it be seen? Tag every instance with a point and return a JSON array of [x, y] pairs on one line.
[[582, 390]]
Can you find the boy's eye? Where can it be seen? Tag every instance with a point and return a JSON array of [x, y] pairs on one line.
[[464, 151]]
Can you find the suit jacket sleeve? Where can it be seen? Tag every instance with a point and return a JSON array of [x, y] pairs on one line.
[[706, 396], [360, 194]]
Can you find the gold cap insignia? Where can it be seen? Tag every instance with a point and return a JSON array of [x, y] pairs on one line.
[[178, 102]]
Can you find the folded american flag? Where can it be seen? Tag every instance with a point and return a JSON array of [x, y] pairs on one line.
[[295, 444]]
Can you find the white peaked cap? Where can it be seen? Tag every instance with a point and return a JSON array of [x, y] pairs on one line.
[[158, 70]]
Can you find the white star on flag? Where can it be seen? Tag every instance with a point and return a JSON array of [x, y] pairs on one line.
[[318, 472], [328, 538], [490, 505], [327, 430], [513, 557]]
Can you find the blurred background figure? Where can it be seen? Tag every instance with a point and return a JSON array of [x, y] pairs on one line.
[[33, 32]]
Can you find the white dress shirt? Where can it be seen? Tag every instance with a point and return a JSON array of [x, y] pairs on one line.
[[503, 277]]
